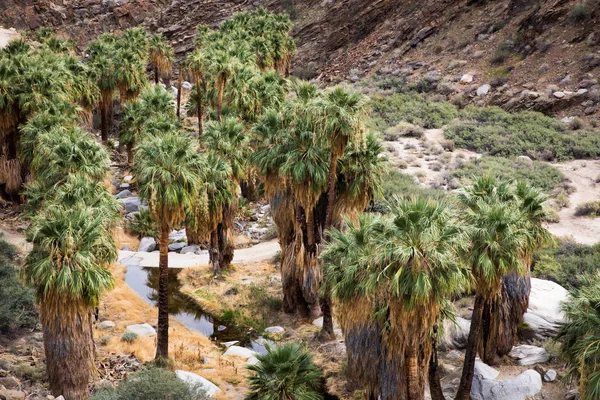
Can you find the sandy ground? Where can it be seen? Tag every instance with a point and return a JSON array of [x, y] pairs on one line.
[[583, 175], [6, 35]]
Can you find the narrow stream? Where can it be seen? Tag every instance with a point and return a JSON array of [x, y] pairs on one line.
[[144, 281]]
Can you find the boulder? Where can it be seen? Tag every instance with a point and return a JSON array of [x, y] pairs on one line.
[[237, 351], [550, 376], [9, 382], [485, 371], [195, 249], [177, 246], [529, 355], [544, 316], [105, 325], [229, 344], [147, 245], [8, 394], [131, 204], [483, 89], [123, 193], [521, 387], [524, 160], [275, 329], [186, 85], [252, 361], [142, 330], [178, 236], [197, 382], [128, 178], [456, 334], [319, 322], [466, 78], [558, 95]]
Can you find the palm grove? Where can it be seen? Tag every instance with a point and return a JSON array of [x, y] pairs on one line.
[[389, 276]]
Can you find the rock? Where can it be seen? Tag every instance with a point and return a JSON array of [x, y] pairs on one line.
[[456, 335], [275, 329], [483, 89], [544, 68], [196, 381], [237, 351], [521, 387], [455, 355], [147, 245], [9, 382], [231, 343], [105, 325], [177, 246], [265, 209], [191, 249], [142, 330], [128, 179], [178, 236], [466, 78], [558, 95], [529, 355], [186, 85], [252, 361], [124, 185], [572, 394], [131, 204], [319, 322], [544, 316], [524, 160], [60, 398], [550, 376], [581, 92], [478, 54], [123, 193], [485, 371], [566, 80], [567, 120], [8, 394]]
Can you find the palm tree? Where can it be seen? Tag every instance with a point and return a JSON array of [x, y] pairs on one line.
[[223, 66], [285, 372], [162, 56], [103, 65], [498, 246], [580, 337], [167, 168], [392, 277], [198, 64], [68, 266]]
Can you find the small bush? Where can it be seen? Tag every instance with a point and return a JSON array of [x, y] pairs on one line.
[[447, 145], [590, 209], [562, 201], [403, 129], [402, 164], [142, 224], [152, 383], [576, 124], [435, 166], [129, 337], [412, 108], [551, 216], [580, 12]]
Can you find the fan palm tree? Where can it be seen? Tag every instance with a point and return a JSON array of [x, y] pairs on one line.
[[285, 372], [167, 169], [68, 267], [498, 247], [198, 65], [103, 65], [223, 67], [162, 56]]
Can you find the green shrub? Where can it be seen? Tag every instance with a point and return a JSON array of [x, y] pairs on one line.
[[562, 200], [580, 12], [413, 108], [129, 337], [152, 383], [142, 224], [566, 263], [493, 131], [589, 209], [17, 302], [285, 372], [403, 129], [536, 173]]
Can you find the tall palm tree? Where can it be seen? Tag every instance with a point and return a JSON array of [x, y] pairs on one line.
[[285, 372], [392, 277], [198, 65], [162, 56], [498, 246], [68, 266], [103, 65], [167, 169], [223, 66]]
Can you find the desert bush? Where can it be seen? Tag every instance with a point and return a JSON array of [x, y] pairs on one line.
[[142, 224], [412, 108], [562, 200], [580, 12], [447, 145], [576, 124], [17, 302], [536, 173], [493, 131], [129, 337], [589, 209], [152, 383], [403, 129]]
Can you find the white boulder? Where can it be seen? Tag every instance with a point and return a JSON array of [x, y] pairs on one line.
[[466, 78], [147, 245], [521, 387], [529, 355], [456, 334], [275, 329], [195, 381], [142, 330], [238, 351], [485, 371], [544, 316], [550, 376], [105, 325], [483, 89]]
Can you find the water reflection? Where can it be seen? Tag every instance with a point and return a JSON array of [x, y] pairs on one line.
[[144, 281]]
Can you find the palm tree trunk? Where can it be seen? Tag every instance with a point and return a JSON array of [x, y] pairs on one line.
[[225, 235], [199, 107], [415, 391], [179, 83], [327, 329], [220, 99], [162, 347], [464, 389], [156, 74], [130, 152], [214, 252], [104, 125], [68, 344], [435, 386], [310, 231]]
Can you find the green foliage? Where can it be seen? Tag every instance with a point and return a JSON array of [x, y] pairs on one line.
[[567, 263], [580, 338], [152, 383], [17, 308], [537, 174], [403, 129], [412, 108], [589, 209], [286, 372], [129, 337], [142, 224], [492, 131], [580, 11]]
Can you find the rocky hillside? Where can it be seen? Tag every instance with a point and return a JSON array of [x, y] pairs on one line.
[[536, 55]]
